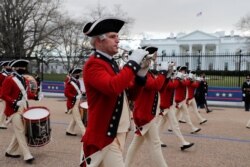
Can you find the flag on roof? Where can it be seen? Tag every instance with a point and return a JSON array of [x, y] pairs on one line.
[[199, 14]]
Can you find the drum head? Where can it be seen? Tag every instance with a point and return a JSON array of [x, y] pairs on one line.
[[84, 105], [36, 114]]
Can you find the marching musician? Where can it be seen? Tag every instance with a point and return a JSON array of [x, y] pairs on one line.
[[144, 113], [191, 102], [105, 84], [73, 93], [180, 97], [15, 94], [168, 112], [6, 71]]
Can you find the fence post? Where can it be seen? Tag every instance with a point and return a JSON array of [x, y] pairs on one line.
[[42, 69], [239, 82]]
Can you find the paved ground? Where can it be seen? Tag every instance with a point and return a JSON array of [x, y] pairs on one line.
[[223, 142]]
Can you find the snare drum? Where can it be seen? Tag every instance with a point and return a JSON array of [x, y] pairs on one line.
[[37, 126], [84, 112]]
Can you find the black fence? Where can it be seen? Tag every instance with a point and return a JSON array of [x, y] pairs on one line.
[[226, 70]]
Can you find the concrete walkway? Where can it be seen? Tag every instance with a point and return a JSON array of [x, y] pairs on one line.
[[224, 141]]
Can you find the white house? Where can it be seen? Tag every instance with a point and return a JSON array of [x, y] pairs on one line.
[[205, 50]]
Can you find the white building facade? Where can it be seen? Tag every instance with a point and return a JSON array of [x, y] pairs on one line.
[[204, 50]]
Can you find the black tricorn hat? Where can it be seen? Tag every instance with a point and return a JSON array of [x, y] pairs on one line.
[[102, 26], [4, 63], [75, 71], [191, 71], [180, 68], [19, 63], [150, 49]]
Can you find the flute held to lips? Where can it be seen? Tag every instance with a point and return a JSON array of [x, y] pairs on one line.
[[148, 56]]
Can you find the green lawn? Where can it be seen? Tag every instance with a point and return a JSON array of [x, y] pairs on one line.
[[223, 81], [54, 77]]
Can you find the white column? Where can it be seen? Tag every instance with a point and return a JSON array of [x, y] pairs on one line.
[[203, 51], [190, 49], [190, 56], [203, 65], [217, 57]]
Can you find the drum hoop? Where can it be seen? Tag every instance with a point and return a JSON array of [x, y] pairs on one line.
[[34, 107]]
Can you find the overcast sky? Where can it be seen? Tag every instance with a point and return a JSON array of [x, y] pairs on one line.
[[166, 16]]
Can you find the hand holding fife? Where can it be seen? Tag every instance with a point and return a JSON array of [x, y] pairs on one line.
[[21, 103], [137, 55], [198, 78], [145, 63], [164, 66], [179, 75]]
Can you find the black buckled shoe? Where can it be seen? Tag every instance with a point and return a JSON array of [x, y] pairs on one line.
[[29, 161], [197, 130], [12, 156], [70, 134], [208, 111], [202, 122], [180, 121], [184, 147], [3, 127]]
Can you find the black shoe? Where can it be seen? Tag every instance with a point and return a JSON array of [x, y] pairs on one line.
[[12, 156], [196, 131], [248, 127], [70, 134], [170, 130], [208, 111], [2, 127], [163, 145], [29, 161], [203, 122], [180, 121], [184, 147]]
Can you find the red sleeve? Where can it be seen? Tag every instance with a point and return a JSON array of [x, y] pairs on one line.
[[102, 78], [186, 82], [195, 84], [6, 90], [173, 83], [155, 83]]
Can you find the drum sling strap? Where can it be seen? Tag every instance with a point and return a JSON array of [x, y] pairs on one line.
[[23, 91], [76, 87]]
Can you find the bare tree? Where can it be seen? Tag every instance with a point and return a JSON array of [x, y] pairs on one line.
[[26, 26], [117, 11], [71, 46], [244, 26]]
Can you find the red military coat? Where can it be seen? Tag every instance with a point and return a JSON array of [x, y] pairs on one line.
[[70, 92], [147, 100], [191, 88], [167, 93], [11, 94], [181, 90], [104, 89]]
